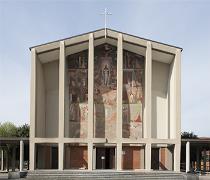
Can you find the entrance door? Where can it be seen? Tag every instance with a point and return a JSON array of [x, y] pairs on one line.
[[105, 158], [155, 159]]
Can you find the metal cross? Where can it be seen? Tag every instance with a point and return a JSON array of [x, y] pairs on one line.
[[105, 13]]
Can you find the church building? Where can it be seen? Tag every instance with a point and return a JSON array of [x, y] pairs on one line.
[[105, 100]]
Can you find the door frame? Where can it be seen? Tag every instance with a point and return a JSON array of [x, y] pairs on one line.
[[103, 145]]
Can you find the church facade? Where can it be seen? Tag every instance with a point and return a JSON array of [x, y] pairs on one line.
[[105, 100]]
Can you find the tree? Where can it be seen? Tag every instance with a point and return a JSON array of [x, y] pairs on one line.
[[23, 131], [188, 135], [8, 129]]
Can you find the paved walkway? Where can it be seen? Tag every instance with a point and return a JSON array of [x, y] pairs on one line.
[[204, 177], [3, 176]]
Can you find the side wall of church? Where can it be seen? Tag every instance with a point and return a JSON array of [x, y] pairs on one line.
[[40, 101], [160, 116], [47, 99], [51, 75]]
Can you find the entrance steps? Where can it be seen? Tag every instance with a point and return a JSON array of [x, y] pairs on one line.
[[102, 174]]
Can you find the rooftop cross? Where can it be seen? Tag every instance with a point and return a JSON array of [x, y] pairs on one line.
[[105, 13]]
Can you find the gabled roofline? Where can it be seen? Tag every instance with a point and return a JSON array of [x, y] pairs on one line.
[[110, 30], [63, 39]]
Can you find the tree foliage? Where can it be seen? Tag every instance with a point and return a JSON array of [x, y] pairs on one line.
[[8, 129], [188, 135], [23, 131]]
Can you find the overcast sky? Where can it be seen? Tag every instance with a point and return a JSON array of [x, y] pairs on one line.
[[182, 23]]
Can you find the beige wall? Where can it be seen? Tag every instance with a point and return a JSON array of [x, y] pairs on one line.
[[160, 73], [47, 99], [51, 83], [40, 100]]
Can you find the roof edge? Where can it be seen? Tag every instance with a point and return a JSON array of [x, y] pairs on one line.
[[110, 30]]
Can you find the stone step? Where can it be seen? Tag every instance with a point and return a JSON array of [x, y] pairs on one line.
[[99, 175]]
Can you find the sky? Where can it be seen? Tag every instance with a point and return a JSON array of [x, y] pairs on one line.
[[184, 23]]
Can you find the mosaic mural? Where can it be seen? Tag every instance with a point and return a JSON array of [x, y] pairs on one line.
[[105, 91], [133, 96], [78, 94]]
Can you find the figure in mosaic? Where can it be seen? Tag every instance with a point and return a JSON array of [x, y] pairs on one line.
[[106, 75]]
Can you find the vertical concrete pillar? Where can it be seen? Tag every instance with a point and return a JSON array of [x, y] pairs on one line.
[[119, 156], [119, 99], [148, 91], [148, 157], [177, 108], [33, 93], [90, 100], [21, 154], [142, 158], [94, 158], [61, 88], [198, 159], [187, 156], [148, 104], [90, 156], [178, 94], [119, 85], [32, 106], [2, 160], [177, 151], [61, 156], [90, 86], [62, 62], [32, 156]]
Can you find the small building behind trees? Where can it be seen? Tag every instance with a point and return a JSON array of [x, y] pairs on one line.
[[14, 147]]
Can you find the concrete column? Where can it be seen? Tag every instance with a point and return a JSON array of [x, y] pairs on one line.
[[177, 110], [119, 99], [61, 88], [21, 154], [32, 107], [148, 104], [197, 159], [119, 85], [2, 160], [178, 94], [90, 86], [177, 151], [148, 92], [32, 156], [148, 157], [188, 156], [94, 158], [142, 158], [90, 156], [119, 156], [33, 93], [61, 156], [90, 99], [62, 63]]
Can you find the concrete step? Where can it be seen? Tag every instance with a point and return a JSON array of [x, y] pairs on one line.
[[99, 175]]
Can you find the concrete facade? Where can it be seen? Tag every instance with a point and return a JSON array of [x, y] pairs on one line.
[[79, 111]]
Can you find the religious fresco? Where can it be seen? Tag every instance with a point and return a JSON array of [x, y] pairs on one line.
[[78, 94], [133, 94], [105, 91]]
